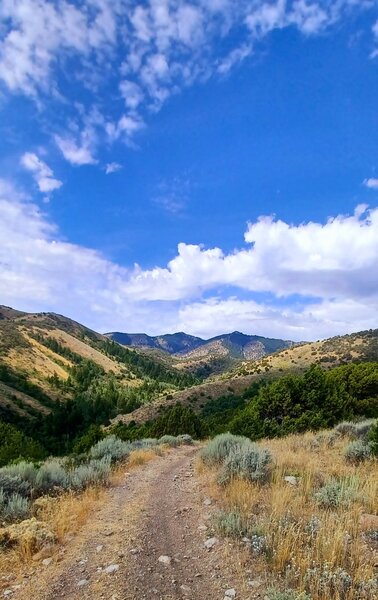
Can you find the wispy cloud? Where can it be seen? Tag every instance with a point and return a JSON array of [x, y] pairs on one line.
[[42, 173], [173, 196], [156, 49], [112, 167]]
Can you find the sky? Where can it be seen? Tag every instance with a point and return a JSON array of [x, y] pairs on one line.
[[191, 165]]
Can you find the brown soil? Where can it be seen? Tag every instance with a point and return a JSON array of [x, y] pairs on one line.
[[156, 510]]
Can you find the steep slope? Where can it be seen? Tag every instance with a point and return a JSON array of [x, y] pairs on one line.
[[42, 353]]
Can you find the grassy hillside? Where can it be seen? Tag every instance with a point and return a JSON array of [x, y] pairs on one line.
[[54, 369], [361, 346]]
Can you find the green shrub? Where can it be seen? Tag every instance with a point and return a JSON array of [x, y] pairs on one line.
[[15, 445], [111, 446], [13, 507], [335, 494], [185, 439], [85, 442], [357, 451], [218, 449], [95, 472], [249, 462], [144, 444], [373, 437], [14, 484], [355, 430], [51, 475], [170, 440], [229, 524]]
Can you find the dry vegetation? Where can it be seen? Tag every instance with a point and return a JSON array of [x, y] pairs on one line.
[[312, 534], [330, 353], [56, 520]]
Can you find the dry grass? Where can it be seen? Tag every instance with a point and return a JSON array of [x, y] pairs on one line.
[[305, 542], [140, 457], [64, 516]]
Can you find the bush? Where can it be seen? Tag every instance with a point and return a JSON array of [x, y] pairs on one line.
[[355, 430], [357, 451], [230, 524], [218, 449], [13, 484], [15, 445], [13, 507], [144, 444], [51, 474], [111, 446], [85, 442], [335, 494], [373, 437], [249, 462], [95, 472], [185, 439], [170, 440]]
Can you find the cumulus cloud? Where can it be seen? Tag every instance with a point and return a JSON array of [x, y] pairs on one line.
[[371, 183], [330, 267], [337, 258], [156, 48], [42, 173]]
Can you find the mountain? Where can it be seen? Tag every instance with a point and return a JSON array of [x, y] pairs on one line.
[[173, 343], [233, 345], [357, 347]]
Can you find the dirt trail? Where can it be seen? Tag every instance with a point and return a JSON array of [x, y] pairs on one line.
[[157, 510]]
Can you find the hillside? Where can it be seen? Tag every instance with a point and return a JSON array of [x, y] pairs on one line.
[[360, 346], [44, 355], [357, 347]]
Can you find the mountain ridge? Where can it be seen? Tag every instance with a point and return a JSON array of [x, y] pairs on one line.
[[234, 344]]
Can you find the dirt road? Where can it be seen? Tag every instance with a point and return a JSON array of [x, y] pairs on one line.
[[146, 542]]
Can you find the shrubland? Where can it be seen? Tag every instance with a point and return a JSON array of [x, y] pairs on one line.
[[305, 511]]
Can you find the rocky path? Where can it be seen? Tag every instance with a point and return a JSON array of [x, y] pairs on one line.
[[151, 540]]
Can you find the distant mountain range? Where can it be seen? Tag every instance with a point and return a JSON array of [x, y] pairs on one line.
[[234, 345]]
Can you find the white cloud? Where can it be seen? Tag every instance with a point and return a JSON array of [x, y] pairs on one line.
[[112, 167], [75, 153], [337, 259], [331, 268], [131, 92], [371, 183], [42, 173]]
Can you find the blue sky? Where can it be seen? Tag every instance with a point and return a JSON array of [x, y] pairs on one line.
[[201, 166]]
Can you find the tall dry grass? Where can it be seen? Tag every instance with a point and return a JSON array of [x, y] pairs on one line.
[[308, 546]]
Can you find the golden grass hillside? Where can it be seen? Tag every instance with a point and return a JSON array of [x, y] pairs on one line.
[[315, 532], [362, 346]]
